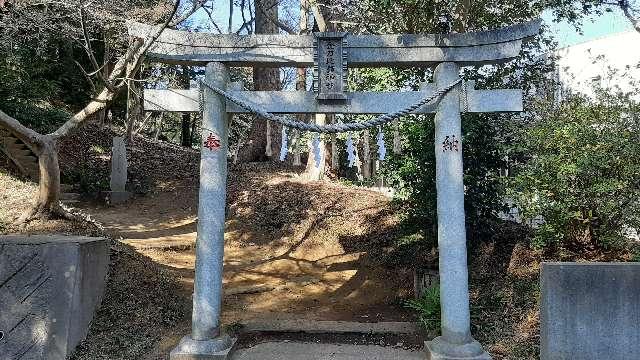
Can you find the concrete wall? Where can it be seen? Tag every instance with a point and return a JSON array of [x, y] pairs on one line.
[[590, 311], [50, 287]]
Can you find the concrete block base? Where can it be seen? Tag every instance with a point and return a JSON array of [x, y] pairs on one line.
[[219, 348], [439, 349], [117, 197], [590, 311], [50, 287]]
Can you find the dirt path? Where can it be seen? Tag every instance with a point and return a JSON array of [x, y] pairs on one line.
[[293, 249]]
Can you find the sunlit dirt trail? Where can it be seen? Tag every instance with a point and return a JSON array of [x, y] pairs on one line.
[[293, 249]]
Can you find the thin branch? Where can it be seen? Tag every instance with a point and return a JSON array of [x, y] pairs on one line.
[[106, 95], [86, 76], [253, 16], [125, 66], [230, 26], [210, 15], [626, 9], [246, 25], [151, 40], [88, 48], [197, 4]]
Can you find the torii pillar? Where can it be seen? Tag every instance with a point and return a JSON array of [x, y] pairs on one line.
[[206, 340], [456, 341]]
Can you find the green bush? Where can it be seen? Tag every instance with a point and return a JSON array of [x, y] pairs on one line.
[[413, 173], [39, 116], [582, 173], [428, 308], [89, 179]]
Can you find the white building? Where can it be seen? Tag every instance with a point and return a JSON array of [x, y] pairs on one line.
[[579, 66]]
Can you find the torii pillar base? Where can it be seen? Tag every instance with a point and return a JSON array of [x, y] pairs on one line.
[[438, 349], [219, 348]]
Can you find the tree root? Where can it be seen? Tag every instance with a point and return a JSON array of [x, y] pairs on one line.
[[43, 212], [60, 211]]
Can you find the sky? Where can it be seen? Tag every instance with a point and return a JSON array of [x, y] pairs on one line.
[[593, 28], [566, 35]]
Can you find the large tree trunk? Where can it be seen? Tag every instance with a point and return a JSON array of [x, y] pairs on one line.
[[185, 134], [366, 155], [301, 84], [257, 148], [49, 187], [47, 202], [314, 172]]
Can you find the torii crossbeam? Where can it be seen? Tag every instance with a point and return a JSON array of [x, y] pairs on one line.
[[330, 53]]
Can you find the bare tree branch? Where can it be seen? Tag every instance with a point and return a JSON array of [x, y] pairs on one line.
[[230, 25], [626, 9], [210, 15], [245, 23], [197, 4], [87, 76], [89, 50], [124, 68]]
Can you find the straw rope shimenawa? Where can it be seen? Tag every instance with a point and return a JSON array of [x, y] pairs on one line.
[[332, 128]]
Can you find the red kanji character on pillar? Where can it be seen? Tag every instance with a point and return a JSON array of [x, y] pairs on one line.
[[212, 142]]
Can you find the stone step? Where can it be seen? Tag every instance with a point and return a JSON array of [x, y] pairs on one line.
[[66, 188], [21, 152], [312, 350], [24, 160], [16, 150], [34, 175], [8, 140], [32, 169], [68, 196], [12, 146]]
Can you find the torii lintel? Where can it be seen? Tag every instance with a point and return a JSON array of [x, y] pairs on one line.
[[404, 50], [304, 102]]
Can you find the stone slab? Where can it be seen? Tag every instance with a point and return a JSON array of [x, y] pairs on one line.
[[590, 311], [50, 287], [323, 327], [117, 197], [315, 351], [119, 165], [220, 348], [439, 350]]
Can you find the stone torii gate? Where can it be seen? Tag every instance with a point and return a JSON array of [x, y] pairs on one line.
[[331, 54]]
